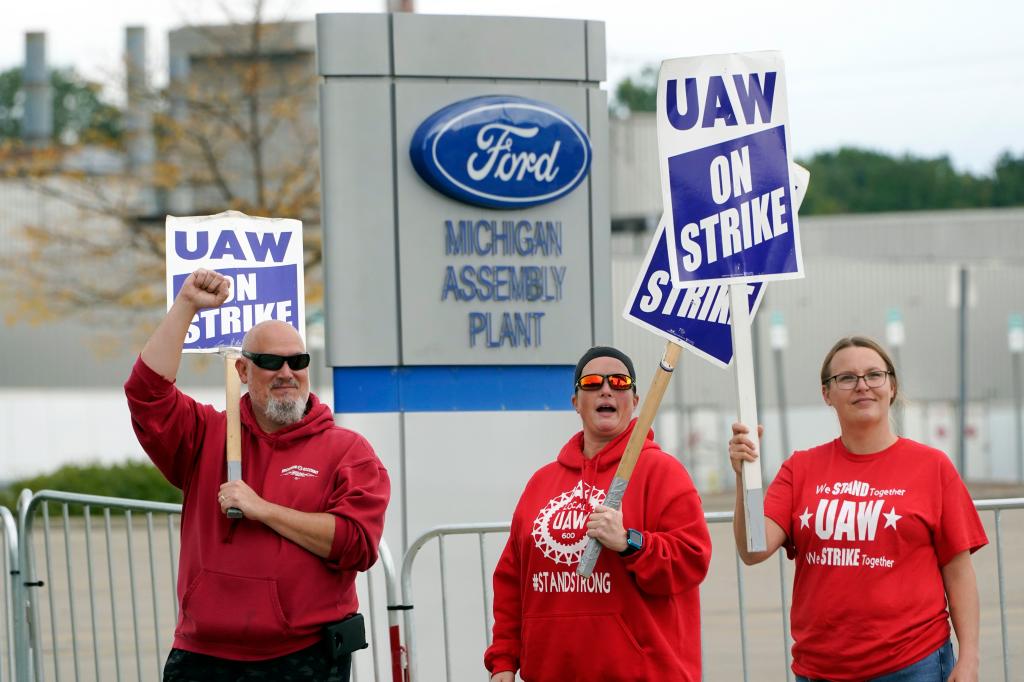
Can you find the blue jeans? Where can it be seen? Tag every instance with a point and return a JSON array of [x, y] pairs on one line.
[[935, 667]]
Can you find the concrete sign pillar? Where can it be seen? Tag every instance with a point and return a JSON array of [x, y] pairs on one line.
[[465, 208]]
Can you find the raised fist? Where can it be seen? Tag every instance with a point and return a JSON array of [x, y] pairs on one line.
[[205, 289]]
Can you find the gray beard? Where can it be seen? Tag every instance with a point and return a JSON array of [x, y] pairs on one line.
[[285, 412]]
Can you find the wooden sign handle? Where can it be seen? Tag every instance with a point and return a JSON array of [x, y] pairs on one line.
[[232, 395], [633, 447]]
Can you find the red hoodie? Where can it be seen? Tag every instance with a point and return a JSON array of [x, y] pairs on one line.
[[247, 593], [636, 618]]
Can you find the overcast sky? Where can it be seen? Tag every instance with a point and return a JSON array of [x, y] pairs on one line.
[[924, 77]]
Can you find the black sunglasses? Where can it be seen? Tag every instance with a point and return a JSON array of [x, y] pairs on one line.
[[275, 362], [594, 382]]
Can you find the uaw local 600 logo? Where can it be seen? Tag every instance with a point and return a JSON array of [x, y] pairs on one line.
[[501, 151], [560, 529]]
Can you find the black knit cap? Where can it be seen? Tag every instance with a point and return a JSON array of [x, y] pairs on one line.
[[604, 352]]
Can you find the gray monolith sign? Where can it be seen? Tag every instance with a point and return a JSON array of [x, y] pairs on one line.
[[465, 208]]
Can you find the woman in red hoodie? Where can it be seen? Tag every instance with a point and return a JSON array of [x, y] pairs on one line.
[[638, 616]]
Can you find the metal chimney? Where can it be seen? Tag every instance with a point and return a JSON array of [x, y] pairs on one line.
[[139, 116], [180, 199], [138, 125], [179, 71], [37, 126]]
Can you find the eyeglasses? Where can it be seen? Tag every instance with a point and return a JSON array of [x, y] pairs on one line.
[[594, 382], [848, 382], [275, 362]]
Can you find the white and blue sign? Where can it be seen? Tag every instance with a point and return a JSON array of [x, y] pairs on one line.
[[724, 145], [501, 151], [261, 256], [695, 317]]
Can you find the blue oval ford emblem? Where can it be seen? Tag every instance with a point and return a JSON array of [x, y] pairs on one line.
[[501, 151]]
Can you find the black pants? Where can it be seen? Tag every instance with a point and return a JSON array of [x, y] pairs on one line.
[[308, 665]]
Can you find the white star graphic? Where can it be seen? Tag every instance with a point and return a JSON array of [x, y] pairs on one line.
[[891, 518], [805, 518]]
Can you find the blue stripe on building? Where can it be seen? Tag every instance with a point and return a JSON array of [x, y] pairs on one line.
[[451, 388]]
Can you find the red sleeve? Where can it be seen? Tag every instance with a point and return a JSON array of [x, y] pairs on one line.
[[778, 503], [677, 546], [959, 527], [358, 503], [168, 423], [503, 654]]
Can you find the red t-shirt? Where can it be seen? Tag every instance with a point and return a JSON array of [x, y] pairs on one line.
[[869, 534]]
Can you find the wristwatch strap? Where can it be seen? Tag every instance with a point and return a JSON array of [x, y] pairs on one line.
[[634, 542]]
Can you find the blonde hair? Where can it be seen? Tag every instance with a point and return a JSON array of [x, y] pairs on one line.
[[860, 342]]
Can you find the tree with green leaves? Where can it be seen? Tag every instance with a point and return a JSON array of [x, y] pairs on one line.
[[638, 92], [851, 180], [1008, 183], [81, 114]]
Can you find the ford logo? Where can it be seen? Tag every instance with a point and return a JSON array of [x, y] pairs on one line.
[[501, 151]]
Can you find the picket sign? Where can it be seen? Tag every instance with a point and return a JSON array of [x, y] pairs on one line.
[[263, 259], [634, 445], [725, 156], [730, 218], [696, 317]]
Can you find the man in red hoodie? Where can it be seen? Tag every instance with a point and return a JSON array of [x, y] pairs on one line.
[[637, 618], [257, 593]]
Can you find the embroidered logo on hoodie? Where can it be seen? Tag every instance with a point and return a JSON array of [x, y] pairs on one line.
[[560, 529], [296, 471]]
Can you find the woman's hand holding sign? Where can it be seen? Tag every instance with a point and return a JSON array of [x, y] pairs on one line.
[[605, 524]]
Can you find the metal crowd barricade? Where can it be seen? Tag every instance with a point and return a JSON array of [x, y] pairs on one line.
[[101, 605], [78, 617], [773, 664], [997, 507], [480, 530], [383, 631], [8, 598]]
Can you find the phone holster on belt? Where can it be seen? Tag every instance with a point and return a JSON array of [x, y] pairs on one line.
[[346, 636]]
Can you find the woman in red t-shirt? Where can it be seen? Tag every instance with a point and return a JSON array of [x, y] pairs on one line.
[[881, 529]]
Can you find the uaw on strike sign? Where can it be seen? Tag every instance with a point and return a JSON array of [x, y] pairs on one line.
[[724, 146], [261, 256], [694, 316]]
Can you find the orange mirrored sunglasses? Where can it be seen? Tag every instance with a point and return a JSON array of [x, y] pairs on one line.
[[593, 382]]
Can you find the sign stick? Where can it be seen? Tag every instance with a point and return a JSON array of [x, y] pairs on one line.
[[636, 441], [743, 356], [232, 391]]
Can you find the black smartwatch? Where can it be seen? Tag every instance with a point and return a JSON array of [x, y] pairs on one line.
[[634, 542]]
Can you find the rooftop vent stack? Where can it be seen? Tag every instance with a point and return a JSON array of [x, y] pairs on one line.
[[37, 126], [139, 117], [141, 146], [180, 196]]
